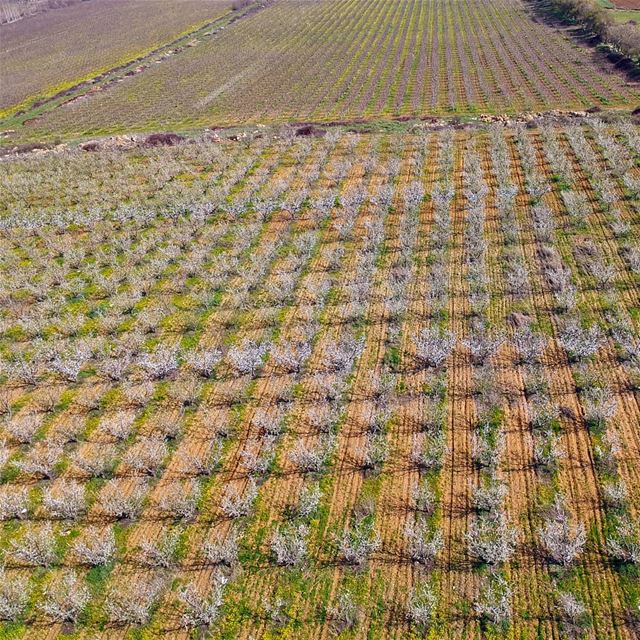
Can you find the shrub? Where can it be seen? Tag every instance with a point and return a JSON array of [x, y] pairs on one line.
[[561, 539], [14, 502], [246, 358], [580, 343], [433, 346], [235, 505], [491, 539], [312, 459], [594, 18], [65, 499], [359, 541], [428, 452], [490, 495], [120, 505], [201, 610], [37, 547], [424, 544], [624, 542], [309, 501], [131, 601], [204, 361], [15, 592], [422, 607], [289, 545], [160, 550], [494, 603], [222, 550], [65, 598], [96, 546], [346, 614]]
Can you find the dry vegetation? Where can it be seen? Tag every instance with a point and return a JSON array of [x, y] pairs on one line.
[[377, 385]]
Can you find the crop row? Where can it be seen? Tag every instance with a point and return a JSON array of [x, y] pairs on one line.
[[52, 50], [333, 60], [381, 383]]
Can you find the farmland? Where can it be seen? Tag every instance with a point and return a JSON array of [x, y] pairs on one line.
[[14, 10], [622, 11], [378, 385], [335, 60], [44, 53], [319, 319]]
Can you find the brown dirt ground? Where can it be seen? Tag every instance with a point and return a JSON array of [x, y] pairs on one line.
[[627, 4]]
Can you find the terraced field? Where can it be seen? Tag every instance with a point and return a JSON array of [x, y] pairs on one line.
[[326, 60], [368, 385], [50, 51]]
